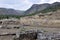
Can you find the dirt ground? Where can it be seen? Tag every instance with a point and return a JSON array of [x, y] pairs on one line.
[[13, 31]]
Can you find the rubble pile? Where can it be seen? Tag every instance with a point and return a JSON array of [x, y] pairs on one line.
[[37, 35], [9, 23], [31, 35]]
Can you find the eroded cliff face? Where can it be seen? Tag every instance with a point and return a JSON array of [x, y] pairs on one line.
[[48, 19]]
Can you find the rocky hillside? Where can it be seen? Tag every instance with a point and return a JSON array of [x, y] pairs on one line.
[[37, 7], [50, 19], [42, 15], [42, 8]]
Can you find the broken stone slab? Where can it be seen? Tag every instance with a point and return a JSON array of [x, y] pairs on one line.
[[37, 35], [30, 34]]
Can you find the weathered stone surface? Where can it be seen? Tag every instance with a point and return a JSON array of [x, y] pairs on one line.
[[50, 19], [39, 35], [9, 23], [31, 35], [27, 35]]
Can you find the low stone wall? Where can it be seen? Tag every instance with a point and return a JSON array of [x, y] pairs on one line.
[[27, 35], [32, 35], [39, 35]]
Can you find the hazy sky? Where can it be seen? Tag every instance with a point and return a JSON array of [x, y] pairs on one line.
[[22, 4]]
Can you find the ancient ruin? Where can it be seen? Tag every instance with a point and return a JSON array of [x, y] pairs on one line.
[[9, 23], [37, 35]]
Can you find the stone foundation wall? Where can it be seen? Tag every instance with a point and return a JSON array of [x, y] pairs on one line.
[[32, 35], [39, 36]]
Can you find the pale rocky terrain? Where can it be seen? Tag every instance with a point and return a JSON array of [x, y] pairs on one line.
[[50, 19], [42, 26], [48, 22]]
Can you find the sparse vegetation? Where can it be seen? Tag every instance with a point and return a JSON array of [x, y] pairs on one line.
[[49, 9], [10, 16]]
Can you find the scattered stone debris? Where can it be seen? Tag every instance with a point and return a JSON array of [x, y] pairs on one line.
[[31, 35], [9, 23], [37, 35], [11, 33]]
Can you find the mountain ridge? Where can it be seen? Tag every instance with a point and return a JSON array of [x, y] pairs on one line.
[[6, 11], [42, 8]]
